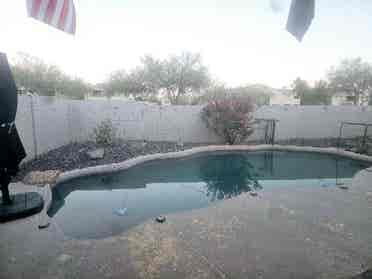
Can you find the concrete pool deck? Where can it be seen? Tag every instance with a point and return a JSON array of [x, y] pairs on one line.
[[304, 232]]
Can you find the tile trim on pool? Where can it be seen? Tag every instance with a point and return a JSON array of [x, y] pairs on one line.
[[103, 169]]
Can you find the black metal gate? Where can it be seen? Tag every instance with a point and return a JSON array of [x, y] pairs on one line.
[[359, 142], [268, 126]]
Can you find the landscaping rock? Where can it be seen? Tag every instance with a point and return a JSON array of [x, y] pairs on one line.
[[365, 275], [44, 223], [369, 196], [343, 187], [41, 177], [96, 154], [160, 219], [64, 258], [253, 194]]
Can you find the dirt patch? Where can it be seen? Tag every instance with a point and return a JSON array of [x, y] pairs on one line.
[[157, 251]]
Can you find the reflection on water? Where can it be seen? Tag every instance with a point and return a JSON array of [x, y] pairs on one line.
[[229, 177], [88, 207]]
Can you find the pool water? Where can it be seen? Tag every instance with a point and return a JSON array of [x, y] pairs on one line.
[[105, 205]]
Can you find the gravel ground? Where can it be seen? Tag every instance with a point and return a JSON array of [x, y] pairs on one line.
[[74, 155]]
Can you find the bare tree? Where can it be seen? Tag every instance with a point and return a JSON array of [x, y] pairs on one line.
[[33, 74], [174, 77], [354, 77]]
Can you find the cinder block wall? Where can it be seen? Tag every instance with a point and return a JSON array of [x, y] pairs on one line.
[[46, 123]]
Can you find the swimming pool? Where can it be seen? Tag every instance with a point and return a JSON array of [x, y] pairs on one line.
[[103, 205]]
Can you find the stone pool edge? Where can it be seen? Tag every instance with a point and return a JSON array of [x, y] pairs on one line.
[[109, 168]]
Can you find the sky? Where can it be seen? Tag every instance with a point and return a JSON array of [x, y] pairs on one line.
[[241, 41]]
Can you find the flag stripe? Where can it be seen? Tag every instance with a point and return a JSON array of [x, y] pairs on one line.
[[58, 13], [29, 7], [35, 8], [63, 16], [70, 28], [69, 17], [42, 9], [50, 11], [73, 28]]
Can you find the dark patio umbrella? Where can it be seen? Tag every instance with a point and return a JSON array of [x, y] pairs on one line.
[[12, 151], [8, 96]]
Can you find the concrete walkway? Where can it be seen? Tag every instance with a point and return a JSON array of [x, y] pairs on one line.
[[306, 232]]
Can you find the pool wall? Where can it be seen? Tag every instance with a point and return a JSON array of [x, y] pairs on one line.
[[104, 169]]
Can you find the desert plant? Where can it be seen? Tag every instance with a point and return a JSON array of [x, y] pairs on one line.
[[105, 133], [230, 118]]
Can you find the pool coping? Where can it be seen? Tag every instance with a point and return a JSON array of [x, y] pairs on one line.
[[110, 168]]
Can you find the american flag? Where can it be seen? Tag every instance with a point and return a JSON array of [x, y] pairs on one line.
[[58, 13]]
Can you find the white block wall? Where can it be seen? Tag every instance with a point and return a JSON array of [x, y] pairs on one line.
[[314, 121], [59, 122]]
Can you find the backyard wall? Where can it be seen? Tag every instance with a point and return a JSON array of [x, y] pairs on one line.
[[315, 122], [46, 123]]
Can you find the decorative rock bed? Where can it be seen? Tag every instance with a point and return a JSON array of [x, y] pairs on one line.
[[96, 154], [74, 156]]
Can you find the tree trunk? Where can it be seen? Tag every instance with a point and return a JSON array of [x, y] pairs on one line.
[[356, 97]]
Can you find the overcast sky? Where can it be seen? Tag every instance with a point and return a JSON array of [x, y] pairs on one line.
[[241, 41]]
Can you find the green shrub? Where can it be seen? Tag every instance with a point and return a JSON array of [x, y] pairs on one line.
[[105, 133]]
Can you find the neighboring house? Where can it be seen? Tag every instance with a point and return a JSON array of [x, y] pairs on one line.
[[99, 94], [265, 95], [95, 93], [342, 98], [283, 97]]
